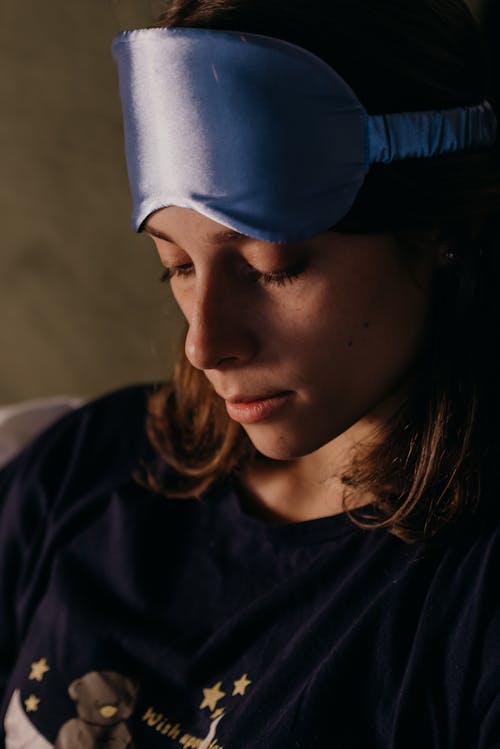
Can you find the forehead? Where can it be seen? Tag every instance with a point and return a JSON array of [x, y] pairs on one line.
[[218, 237], [184, 225]]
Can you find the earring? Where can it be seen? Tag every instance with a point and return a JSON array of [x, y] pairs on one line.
[[448, 256]]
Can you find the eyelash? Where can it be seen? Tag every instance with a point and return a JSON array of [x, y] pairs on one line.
[[278, 278]]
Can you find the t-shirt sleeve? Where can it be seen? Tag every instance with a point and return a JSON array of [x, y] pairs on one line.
[[487, 696], [479, 630], [24, 512], [490, 724], [49, 492]]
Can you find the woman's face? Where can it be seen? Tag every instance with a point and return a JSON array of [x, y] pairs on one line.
[[331, 325]]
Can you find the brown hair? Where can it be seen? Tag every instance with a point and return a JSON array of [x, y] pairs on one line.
[[431, 468]]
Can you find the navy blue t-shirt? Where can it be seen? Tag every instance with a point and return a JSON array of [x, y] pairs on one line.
[[131, 620]]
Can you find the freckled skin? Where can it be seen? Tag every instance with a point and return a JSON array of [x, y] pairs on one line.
[[343, 337]]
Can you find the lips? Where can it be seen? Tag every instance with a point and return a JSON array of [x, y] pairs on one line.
[[254, 398], [253, 409]]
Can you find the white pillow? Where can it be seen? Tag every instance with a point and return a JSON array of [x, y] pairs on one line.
[[21, 422]]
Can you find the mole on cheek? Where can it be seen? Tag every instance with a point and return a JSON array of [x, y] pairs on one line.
[[350, 342], [366, 324]]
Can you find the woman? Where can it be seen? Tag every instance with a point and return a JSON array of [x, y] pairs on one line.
[[295, 542]]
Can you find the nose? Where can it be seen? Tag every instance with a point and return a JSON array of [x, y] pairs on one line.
[[220, 327]]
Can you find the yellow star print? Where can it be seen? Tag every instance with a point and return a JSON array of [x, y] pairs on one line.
[[32, 703], [212, 696], [218, 712], [39, 669], [241, 685]]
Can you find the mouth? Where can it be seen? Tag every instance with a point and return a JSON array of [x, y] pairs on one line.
[[254, 398], [249, 409], [108, 711]]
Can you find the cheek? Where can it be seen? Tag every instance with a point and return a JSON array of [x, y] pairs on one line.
[[349, 328], [330, 320], [385, 337]]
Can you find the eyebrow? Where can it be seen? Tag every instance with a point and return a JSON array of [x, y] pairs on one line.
[[226, 235]]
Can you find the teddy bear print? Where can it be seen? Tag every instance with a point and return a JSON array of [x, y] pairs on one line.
[[104, 700]]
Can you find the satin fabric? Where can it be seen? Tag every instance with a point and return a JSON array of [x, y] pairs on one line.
[[424, 134], [260, 134]]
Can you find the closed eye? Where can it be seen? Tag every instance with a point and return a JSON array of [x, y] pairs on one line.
[[277, 278], [178, 270]]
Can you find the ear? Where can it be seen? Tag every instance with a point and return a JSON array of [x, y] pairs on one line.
[[446, 254], [74, 688]]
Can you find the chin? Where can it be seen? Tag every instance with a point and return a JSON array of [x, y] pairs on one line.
[[285, 446]]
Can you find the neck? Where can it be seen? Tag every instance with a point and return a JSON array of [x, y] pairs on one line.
[[312, 486], [305, 488]]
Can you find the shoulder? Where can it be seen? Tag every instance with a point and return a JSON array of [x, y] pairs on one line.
[[464, 565], [99, 440], [471, 582]]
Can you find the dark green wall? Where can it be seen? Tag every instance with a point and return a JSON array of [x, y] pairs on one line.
[[81, 310]]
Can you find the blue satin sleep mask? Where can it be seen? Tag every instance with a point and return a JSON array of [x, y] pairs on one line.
[[260, 134]]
